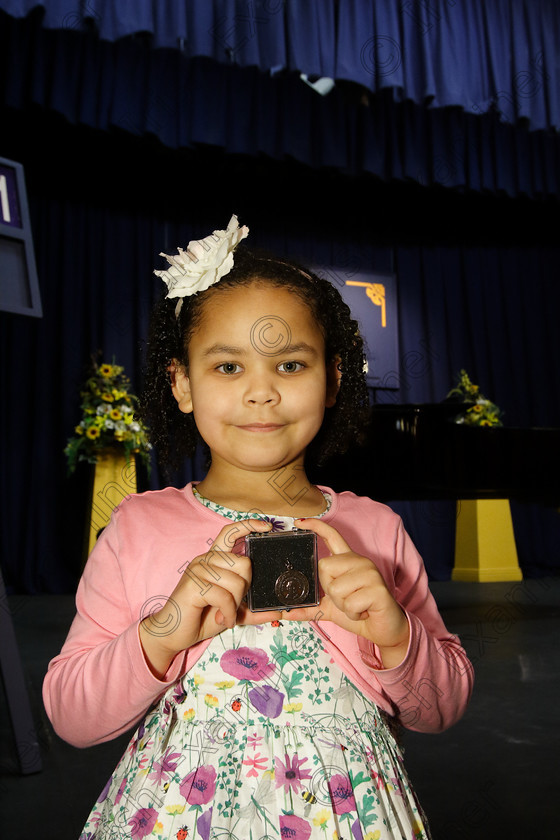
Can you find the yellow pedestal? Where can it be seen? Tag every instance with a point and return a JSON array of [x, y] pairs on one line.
[[485, 547], [113, 480]]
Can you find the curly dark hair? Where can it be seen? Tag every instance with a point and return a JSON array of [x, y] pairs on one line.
[[175, 435]]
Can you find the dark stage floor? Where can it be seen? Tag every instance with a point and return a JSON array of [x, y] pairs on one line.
[[493, 775]]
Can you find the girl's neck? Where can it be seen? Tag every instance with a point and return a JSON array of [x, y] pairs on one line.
[[285, 492]]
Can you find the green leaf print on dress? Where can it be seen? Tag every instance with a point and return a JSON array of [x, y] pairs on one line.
[[265, 738]]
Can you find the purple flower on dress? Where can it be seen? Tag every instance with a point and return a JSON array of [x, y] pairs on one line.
[[143, 821], [199, 786], [357, 830], [167, 764], [179, 693], [120, 791], [294, 828], [105, 791], [342, 795], [290, 774], [399, 788], [277, 524], [267, 700], [247, 664], [135, 743], [203, 824]]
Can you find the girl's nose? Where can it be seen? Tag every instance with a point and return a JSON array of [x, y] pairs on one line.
[[261, 390]]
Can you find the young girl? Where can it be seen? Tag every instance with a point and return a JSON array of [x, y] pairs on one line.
[[274, 724]]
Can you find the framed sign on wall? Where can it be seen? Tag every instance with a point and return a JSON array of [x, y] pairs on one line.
[[19, 287], [372, 298]]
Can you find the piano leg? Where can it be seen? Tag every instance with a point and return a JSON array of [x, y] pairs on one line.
[[485, 547]]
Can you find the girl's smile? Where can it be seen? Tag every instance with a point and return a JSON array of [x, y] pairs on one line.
[[261, 427], [257, 408]]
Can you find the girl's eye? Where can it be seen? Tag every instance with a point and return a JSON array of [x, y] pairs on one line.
[[229, 367], [290, 367]]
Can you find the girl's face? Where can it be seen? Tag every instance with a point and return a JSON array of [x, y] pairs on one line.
[[257, 381]]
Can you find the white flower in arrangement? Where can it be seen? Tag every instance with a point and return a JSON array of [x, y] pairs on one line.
[[203, 263], [109, 424]]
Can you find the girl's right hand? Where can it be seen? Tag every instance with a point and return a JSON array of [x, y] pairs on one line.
[[204, 602]]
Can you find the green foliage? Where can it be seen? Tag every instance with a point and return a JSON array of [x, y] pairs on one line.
[[108, 420], [478, 410]]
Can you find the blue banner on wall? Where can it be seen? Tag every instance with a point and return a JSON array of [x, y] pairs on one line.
[[372, 298]]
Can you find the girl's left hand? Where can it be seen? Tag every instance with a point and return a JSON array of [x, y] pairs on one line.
[[356, 597]]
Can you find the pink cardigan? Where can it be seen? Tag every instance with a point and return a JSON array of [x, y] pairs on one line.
[[100, 684]]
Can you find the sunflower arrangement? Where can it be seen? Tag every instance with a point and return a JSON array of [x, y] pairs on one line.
[[108, 420], [478, 410]]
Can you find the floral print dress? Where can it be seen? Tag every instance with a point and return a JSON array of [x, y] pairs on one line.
[[264, 738]]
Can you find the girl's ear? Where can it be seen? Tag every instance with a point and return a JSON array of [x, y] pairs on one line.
[[334, 378], [180, 386]]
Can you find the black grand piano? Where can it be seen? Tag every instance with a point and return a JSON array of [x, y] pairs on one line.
[[417, 451]]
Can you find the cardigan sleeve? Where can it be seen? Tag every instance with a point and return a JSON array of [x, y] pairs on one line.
[[100, 683], [430, 689]]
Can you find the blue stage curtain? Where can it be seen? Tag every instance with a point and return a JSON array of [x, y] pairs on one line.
[[189, 103], [99, 226], [481, 55], [96, 240], [492, 311]]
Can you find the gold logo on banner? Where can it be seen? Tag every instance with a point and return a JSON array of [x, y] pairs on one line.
[[376, 293]]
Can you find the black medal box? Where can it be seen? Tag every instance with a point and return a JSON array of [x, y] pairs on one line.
[[284, 570]]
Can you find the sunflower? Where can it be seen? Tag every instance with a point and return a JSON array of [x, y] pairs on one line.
[[107, 419], [477, 410]]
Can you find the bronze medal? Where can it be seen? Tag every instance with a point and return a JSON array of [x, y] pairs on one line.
[[291, 587]]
